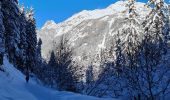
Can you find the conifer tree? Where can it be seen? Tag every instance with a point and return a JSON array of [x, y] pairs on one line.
[[23, 43], [39, 57], [52, 62], [31, 39], [2, 30], [89, 79], [128, 47], [89, 75], [155, 51], [131, 8], [132, 32], [39, 61], [12, 34], [119, 62], [52, 70], [66, 79]]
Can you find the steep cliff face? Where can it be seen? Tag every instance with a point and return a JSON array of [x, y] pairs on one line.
[[89, 32]]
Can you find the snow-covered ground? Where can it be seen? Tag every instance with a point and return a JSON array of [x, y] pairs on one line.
[[14, 87]]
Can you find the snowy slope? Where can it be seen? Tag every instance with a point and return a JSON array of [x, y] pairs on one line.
[[14, 87]]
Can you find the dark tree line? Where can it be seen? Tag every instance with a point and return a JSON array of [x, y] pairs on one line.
[[60, 72], [141, 69], [18, 37]]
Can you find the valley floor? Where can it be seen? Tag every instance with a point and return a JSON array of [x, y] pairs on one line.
[[14, 87]]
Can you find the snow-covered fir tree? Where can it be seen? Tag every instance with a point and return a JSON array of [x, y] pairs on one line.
[[39, 61], [119, 61], [18, 31], [155, 51], [89, 75], [52, 71], [23, 43], [107, 83], [169, 20], [31, 39], [89, 79], [2, 30], [78, 76], [39, 56], [12, 34], [66, 79], [127, 52], [131, 36], [131, 8]]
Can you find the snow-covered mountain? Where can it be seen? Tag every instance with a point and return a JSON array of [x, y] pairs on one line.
[[88, 32], [14, 87]]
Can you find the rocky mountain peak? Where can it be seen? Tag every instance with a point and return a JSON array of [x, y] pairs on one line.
[[88, 31], [49, 24]]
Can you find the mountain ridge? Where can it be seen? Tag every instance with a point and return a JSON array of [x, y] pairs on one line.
[[101, 24]]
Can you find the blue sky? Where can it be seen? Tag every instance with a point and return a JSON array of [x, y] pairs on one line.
[[60, 10]]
